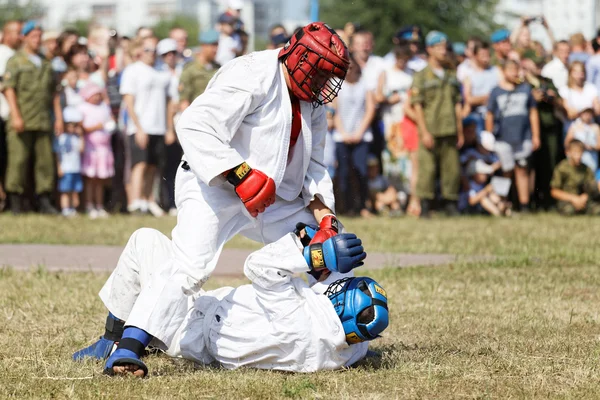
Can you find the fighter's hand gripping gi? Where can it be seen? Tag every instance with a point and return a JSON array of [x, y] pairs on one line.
[[340, 253], [253, 187]]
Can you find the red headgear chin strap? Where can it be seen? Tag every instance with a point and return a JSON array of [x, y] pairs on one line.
[[317, 60]]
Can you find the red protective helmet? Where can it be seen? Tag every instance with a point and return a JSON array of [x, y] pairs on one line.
[[317, 60]]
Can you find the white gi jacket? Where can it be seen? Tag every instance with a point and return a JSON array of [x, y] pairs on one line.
[[245, 115], [278, 322]]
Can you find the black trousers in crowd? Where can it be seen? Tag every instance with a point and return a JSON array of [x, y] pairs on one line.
[[118, 196], [352, 160]]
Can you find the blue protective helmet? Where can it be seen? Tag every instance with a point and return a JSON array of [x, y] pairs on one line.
[[361, 304]]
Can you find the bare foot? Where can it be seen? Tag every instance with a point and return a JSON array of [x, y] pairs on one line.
[[128, 369]]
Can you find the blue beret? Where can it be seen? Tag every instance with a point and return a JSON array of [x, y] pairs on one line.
[[279, 39], [500, 35], [226, 18], [410, 32], [208, 37], [459, 48], [29, 26], [435, 37]]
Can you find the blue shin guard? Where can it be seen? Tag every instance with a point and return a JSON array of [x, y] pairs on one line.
[[104, 346], [130, 349]]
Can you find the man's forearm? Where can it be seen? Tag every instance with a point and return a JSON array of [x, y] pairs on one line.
[[11, 99], [130, 103], [171, 111], [420, 119], [477, 100], [319, 209], [57, 107], [459, 125], [561, 195], [534, 119], [489, 122]]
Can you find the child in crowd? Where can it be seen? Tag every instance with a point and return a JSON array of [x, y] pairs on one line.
[[479, 164], [98, 159], [382, 195], [481, 194], [574, 185], [587, 131], [68, 147], [72, 97], [483, 150], [513, 118]]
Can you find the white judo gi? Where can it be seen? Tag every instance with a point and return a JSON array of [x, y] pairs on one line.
[[244, 115], [277, 322]]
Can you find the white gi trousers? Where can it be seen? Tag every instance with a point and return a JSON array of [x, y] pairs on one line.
[[207, 218], [277, 322]]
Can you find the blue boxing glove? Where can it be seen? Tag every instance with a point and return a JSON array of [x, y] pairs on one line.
[[340, 253]]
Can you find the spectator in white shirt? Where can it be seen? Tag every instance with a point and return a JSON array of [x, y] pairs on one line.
[[392, 90], [11, 40], [145, 94], [479, 84], [361, 47], [578, 94], [466, 67], [230, 44], [557, 68]]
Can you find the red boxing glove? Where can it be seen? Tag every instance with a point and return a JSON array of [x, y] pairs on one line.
[[327, 228], [253, 187]]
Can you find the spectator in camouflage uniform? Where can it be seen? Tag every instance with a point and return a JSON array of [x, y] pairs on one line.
[[436, 97], [32, 92], [574, 185], [198, 73]]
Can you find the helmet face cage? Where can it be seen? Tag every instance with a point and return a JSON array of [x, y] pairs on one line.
[[354, 299], [317, 79]]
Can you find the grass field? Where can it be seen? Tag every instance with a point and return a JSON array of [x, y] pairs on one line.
[[522, 325]]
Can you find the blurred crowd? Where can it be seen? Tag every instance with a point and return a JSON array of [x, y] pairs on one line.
[[495, 125]]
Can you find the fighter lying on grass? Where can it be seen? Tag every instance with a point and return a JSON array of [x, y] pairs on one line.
[[277, 322]]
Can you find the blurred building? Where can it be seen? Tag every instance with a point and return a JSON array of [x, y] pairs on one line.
[[564, 17], [127, 15]]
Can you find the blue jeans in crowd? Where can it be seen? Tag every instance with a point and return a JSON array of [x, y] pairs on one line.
[[353, 158]]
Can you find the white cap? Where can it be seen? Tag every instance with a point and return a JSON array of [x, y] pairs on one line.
[[479, 167], [487, 140], [165, 46], [72, 115], [236, 4]]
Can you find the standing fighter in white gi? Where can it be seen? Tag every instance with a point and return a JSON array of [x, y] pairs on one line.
[[277, 322], [254, 139]]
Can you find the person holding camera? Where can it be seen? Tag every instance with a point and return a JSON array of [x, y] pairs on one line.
[[550, 153], [521, 37]]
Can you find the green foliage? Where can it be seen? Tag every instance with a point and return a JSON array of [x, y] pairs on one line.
[[457, 18], [18, 10], [190, 24], [82, 26]]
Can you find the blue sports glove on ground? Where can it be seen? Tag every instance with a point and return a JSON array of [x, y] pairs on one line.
[[340, 253]]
